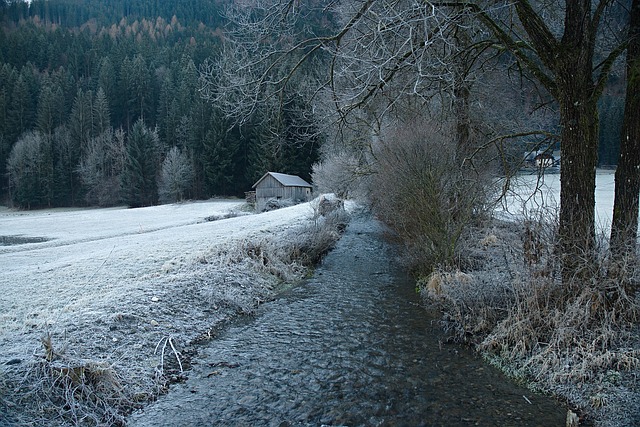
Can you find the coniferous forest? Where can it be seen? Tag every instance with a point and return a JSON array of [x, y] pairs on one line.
[[100, 106]]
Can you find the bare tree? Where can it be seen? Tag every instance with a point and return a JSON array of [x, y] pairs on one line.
[[338, 173], [176, 176], [564, 64], [30, 171], [384, 54], [101, 167]]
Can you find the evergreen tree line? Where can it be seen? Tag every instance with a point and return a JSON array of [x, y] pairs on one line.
[[73, 13], [108, 111]]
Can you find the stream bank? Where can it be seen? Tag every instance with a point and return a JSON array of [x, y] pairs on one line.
[[350, 346]]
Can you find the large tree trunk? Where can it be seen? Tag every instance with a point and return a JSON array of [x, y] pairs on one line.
[[579, 120], [578, 182], [624, 227]]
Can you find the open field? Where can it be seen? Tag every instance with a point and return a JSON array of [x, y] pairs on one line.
[[96, 257], [535, 193], [123, 287]]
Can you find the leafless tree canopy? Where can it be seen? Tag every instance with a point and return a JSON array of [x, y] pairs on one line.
[[372, 59], [363, 54]]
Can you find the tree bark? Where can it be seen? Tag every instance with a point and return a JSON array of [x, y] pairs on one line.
[[579, 119], [624, 227], [571, 62]]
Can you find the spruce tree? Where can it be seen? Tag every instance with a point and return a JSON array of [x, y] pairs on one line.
[[139, 182], [101, 114], [219, 149]]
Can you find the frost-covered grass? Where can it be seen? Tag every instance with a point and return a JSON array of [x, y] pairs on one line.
[[105, 314], [581, 341], [532, 193]]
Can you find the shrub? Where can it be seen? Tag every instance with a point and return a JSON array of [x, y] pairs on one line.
[[426, 193]]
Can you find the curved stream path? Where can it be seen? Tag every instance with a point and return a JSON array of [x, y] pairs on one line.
[[350, 347]]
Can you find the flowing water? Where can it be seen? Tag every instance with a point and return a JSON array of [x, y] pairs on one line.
[[350, 347]]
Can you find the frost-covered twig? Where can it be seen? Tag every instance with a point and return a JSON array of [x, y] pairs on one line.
[[164, 341]]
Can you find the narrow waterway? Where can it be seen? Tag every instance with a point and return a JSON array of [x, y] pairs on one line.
[[350, 347]]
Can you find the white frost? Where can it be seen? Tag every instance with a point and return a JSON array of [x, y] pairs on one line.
[[97, 258]]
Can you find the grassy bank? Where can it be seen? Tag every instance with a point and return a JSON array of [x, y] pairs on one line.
[[116, 345], [580, 343]]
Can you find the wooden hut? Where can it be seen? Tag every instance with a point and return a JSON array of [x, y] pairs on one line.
[[544, 160], [280, 187]]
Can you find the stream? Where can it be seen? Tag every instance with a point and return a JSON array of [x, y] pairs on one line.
[[352, 346]]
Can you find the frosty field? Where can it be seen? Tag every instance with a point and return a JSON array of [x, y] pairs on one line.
[[109, 285], [537, 194], [95, 257]]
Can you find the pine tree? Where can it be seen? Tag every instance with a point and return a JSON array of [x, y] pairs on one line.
[[21, 109], [188, 87], [81, 119], [219, 149], [139, 89], [168, 111], [139, 183], [67, 185], [101, 114], [108, 81], [50, 114]]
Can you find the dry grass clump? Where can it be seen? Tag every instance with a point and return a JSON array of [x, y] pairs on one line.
[[58, 389], [282, 261], [580, 341], [308, 245], [474, 302]]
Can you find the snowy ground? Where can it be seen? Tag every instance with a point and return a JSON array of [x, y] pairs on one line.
[[535, 193], [543, 193], [110, 283]]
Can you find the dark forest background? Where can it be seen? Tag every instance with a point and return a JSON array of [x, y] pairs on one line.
[[100, 105]]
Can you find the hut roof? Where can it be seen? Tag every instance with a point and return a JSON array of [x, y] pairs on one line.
[[286, 180]]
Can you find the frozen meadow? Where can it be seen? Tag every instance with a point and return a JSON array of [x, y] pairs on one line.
[[96, 256], [133, 289], [541, 195]]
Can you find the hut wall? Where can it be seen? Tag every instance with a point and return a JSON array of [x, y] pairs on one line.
[[271, 188]]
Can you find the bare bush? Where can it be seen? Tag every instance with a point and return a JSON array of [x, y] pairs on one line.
[[338, 173], [426, 193]]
